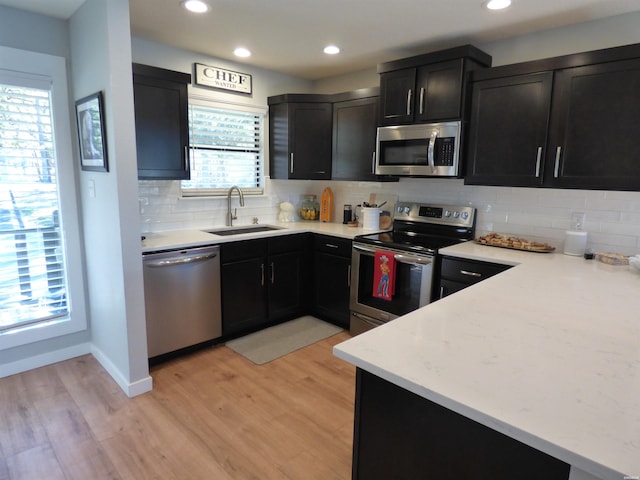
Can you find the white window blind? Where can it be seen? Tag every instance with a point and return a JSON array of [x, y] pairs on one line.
[[226, 149], [32, 273]]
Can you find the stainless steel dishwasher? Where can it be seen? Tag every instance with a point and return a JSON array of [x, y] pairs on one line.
[[182, 298]]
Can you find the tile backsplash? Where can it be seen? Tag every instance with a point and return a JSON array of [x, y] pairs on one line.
[[612, 219]]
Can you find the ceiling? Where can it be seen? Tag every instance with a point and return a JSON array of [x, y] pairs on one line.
[[289, 35]]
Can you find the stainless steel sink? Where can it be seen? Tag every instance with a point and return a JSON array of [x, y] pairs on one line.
[[240, 230]]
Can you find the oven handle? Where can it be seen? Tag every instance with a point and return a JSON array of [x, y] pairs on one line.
[[409, 259]]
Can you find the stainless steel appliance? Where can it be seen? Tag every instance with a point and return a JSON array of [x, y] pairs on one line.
[[419, 230], [430, 149], [182, 298]]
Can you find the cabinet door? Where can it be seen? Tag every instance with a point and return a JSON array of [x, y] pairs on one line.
[[286, 284], [397, 93], [243, 295], [310, 141], [439, 91], [161, 119], [331, 292], [354, 139], [508, 130], [595, 141]]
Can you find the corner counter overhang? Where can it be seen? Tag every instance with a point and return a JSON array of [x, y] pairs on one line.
[[547, 353]]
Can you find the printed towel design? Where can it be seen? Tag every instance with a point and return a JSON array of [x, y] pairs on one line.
[[384, 275]]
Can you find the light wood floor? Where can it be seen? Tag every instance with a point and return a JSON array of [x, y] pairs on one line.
[[212, 415]]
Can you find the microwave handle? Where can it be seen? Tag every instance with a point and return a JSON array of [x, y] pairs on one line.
[[373, 162], [431, 148]]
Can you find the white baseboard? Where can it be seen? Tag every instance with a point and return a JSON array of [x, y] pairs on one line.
[[44, 359], [138, 387]]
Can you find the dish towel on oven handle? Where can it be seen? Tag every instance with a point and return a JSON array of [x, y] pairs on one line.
[[384, 275]]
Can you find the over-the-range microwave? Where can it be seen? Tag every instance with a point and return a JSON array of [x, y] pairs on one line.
[[430, 149]]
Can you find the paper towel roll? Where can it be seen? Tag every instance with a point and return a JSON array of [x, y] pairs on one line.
[[575, 242]]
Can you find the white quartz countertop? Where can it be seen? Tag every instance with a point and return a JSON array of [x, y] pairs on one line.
[[547, 352], [176, 239]]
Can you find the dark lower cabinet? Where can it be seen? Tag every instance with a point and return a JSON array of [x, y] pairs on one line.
[[332, 279], [458, 273], [402, 436], [264, 281]]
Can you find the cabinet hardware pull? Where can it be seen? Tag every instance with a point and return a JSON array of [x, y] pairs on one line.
[[470, 274], [421, 100], [538, 158], [441, 291], [262, 274], [349, 276], [186, 157], [330, 245], [273, 273], [409, 94], [557, 165], [180, 261], [373, 163], [291, 163]]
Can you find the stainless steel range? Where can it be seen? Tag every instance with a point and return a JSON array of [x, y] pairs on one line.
[[419, 231]]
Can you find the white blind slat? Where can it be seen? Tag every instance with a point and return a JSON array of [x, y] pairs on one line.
[[32, 272], [226, 149]]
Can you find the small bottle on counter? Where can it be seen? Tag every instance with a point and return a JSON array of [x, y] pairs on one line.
[[346, 214]]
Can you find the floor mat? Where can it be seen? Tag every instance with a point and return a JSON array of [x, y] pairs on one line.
[[274, 342]]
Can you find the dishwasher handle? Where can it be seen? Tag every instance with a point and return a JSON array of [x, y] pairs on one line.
[[179, 261]]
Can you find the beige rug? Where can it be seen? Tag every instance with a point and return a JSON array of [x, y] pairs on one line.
[[274, 342]]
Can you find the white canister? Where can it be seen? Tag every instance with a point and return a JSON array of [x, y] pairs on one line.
[[370, 218], [575, 242]]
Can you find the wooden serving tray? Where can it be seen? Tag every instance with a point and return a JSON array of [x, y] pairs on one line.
[[504, 243]]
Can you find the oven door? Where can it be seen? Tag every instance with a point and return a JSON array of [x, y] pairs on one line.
[[413, 279]]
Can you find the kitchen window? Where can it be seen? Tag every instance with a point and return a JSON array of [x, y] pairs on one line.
[[226, 149], [38, 223]]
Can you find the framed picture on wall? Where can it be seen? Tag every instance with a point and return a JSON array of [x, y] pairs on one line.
[[91, 133]]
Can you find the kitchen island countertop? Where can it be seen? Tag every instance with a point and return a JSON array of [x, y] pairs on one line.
[[547, 353]]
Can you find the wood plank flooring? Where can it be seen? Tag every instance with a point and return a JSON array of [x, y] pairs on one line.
[[212, 415]]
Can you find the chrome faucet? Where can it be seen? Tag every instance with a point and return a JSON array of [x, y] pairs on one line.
[[231, 216]]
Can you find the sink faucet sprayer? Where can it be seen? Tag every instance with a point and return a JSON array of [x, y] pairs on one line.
[[231, 216]]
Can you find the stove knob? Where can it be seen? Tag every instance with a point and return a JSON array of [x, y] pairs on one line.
[[456, 214], [447, 213], [464, 215]]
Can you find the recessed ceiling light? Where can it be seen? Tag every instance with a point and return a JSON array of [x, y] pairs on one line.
[[497, 4], [331, 50], [196, 6], [242, 52]]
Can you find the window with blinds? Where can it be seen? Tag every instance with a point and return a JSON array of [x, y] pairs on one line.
[[32, 273], [226, 149]]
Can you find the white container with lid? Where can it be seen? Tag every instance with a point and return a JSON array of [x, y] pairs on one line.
[[575, 242], [370, 218]]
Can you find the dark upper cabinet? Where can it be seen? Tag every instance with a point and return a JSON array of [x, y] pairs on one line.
[[508, 130], [428, 88], [564, 122], [354, 139], [161, 120], [594, 135], [300, 137], [425, 94]]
